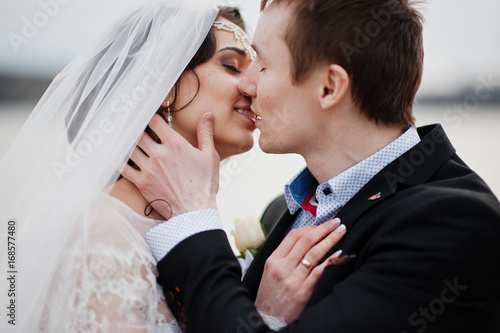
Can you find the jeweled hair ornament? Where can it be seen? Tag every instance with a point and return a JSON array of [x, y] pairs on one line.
[[239, 35]]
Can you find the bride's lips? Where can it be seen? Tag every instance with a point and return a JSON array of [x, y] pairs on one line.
[[246, 111]]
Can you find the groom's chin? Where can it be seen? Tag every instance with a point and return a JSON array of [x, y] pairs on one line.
[[271, 147]]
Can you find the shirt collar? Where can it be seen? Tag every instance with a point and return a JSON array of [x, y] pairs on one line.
[[341, 188]]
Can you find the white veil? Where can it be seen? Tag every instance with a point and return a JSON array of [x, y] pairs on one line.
[[79, 136]]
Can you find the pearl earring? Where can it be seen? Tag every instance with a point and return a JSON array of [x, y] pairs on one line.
[[169, 117]]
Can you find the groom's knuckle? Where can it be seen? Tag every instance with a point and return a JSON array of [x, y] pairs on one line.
[[269, 264], [277, 275], [155, 124]]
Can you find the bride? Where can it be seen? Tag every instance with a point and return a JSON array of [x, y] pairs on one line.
[[75, 226]]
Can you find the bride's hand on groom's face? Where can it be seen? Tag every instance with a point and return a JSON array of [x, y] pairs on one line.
[[174, 171], [294, 268]]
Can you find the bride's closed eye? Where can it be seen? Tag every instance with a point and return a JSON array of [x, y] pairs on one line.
[[232, 68], [231, 65], [232, 59]]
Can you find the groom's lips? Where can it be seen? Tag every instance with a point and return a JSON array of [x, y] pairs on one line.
[[247, 112], [258, 118]]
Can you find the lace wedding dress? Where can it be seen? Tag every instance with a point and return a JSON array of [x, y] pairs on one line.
[[111, 286]]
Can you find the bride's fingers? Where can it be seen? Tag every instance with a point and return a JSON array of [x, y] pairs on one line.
[[289, 241], [310, 239], [305, 291], [318, 251], [316, 273]]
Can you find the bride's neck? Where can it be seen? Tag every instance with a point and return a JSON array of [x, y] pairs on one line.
[[129, 194]]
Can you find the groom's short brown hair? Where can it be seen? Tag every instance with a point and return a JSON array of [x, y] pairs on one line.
[[378, 43]]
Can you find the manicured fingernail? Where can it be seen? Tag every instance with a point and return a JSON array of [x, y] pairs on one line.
[[337, 254], [340, 229], [335, 221]]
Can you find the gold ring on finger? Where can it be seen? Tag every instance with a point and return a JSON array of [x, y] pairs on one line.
[[306, 264]]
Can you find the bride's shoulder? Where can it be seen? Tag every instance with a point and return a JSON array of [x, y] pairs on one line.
[[105, 211], [112, 224]]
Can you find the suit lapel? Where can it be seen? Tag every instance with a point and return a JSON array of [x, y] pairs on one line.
[[414, 167], [254, 274]]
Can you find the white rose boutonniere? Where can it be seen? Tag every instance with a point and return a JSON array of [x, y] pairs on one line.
[[248, 234]]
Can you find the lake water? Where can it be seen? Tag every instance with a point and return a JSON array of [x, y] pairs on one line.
[[251, 180]]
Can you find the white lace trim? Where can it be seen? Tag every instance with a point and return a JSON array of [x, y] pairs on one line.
[[272, 322]]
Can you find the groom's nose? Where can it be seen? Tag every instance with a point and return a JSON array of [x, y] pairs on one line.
[[247, 85]]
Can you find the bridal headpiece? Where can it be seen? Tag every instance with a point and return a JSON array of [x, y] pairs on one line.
[[239, 35]]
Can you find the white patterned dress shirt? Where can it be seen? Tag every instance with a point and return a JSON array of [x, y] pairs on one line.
[[333, 194]]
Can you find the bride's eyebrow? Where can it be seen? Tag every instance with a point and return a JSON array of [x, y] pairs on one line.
[[235, 49]]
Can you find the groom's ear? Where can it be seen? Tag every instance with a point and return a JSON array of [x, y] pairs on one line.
[[335, 88]]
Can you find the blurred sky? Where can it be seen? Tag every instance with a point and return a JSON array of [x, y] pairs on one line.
[[462, 37]]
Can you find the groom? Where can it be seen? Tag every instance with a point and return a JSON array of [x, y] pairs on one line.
[[335, 82]]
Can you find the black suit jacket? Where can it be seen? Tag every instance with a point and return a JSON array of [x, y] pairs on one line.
[[426, 257]]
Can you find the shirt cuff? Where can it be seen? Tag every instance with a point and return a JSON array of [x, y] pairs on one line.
[[272, 322], [167, 235]]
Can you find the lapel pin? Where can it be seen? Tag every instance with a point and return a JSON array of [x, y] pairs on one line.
[[375, 196]]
